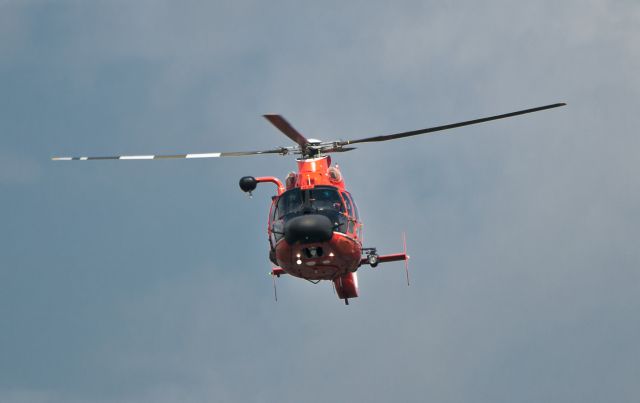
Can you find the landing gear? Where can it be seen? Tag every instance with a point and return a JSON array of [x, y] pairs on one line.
[[275, 290]]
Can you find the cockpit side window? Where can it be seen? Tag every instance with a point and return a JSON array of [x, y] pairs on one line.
[[274, 209], [272, 219], [347, 200], [353, 203]]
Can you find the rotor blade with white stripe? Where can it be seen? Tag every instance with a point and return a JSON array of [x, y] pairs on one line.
[[282, 151]]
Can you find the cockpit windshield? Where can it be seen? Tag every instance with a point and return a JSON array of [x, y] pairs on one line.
[[318, 199], [289, 202], [325, 198]]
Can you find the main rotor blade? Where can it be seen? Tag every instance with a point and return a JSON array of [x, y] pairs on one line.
[[449, 126], [282, 151], [286, 128]]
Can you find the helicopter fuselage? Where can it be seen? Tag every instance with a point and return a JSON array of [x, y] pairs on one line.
[[314, 228]]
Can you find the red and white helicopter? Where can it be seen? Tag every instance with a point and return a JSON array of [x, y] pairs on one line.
[[315, 231]]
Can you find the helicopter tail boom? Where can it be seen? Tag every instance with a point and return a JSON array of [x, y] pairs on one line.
[[395, 257]]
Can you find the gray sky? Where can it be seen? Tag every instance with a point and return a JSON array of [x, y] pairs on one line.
[[146, 281]]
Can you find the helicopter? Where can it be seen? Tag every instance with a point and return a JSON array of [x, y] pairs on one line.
[[314, 227]]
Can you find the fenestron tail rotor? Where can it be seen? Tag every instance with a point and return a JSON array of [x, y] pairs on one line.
[[308, 147]]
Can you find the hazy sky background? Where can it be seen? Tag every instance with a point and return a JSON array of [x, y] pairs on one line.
[[147, 281]]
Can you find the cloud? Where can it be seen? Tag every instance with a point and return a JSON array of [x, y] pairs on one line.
[[15, 169], [14, 29], [522, 232]]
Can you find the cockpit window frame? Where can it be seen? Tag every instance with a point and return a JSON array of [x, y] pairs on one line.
[[349, 204]]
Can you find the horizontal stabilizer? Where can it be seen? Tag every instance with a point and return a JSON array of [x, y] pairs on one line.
[[372, 258], [387, 258], [277, 271]]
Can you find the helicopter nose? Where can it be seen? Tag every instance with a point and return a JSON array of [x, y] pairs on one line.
[[308, 228]]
